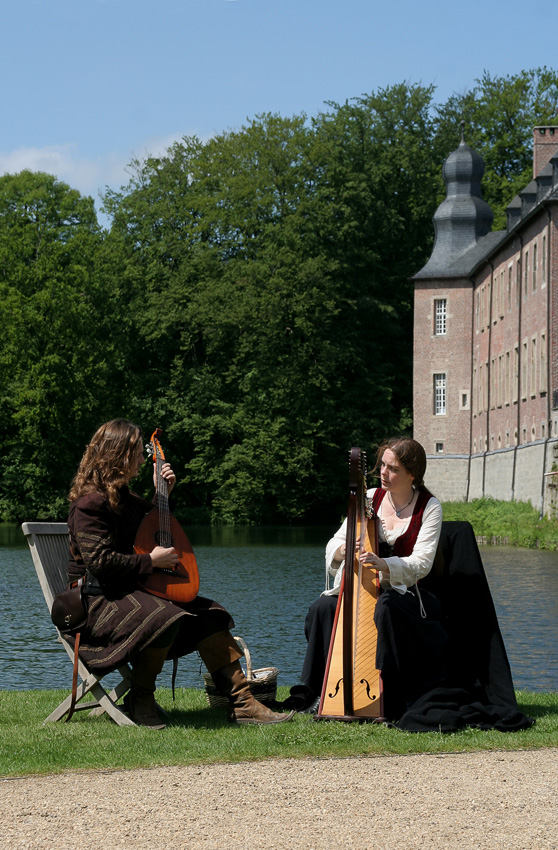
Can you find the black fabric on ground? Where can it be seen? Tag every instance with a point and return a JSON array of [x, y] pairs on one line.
[[451, 709], [478, 690], [412, 647]]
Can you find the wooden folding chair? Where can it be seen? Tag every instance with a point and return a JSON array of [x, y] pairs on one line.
[[48, 542]]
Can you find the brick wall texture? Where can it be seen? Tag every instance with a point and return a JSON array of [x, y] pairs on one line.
[[500, 358]]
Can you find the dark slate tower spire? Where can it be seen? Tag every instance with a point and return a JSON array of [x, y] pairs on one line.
[[463, 217]]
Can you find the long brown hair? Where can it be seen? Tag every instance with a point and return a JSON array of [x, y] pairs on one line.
[[107, 461], [410, 453]]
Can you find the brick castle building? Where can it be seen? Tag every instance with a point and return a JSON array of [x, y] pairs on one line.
[[486, 338]]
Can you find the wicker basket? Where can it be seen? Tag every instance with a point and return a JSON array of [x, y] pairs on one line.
[[263, 682]]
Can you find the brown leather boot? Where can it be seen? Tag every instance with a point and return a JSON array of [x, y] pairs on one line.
[[140, 701], [231, 682], [218, 650], [142, 709]]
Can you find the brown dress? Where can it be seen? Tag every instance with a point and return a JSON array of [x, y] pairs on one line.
[[122, 619]]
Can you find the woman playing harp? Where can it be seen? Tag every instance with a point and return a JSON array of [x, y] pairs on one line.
[[411, 640]]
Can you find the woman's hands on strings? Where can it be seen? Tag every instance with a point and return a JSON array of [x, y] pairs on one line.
[[368, 559], [162, 558]]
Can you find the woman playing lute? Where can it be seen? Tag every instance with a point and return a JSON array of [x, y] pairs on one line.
[[124, 622]]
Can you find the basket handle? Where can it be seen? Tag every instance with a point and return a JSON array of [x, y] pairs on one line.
[[246, 652]]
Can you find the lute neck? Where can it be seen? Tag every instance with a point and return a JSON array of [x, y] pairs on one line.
[[163, 506]]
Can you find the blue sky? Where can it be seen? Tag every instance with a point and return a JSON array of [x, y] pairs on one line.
[[87, 85]]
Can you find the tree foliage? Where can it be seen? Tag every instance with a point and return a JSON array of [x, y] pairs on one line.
[[285, 255], [252, 297], [55, 362]]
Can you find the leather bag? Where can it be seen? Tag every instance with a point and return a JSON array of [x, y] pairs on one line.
[[69, 615], [69, 611]]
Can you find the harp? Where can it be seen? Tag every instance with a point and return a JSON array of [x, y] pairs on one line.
[[352, 688]]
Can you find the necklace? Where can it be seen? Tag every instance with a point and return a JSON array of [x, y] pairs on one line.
[[400, 511]]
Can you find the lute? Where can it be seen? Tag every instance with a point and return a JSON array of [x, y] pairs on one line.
[[181, 582]]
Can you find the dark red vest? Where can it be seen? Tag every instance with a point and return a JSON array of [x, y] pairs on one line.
[[405, 543]]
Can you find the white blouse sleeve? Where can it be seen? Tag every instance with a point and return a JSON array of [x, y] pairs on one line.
[[406, 571], [334, 569]]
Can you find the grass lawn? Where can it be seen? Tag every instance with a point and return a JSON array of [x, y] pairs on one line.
[[198, 734]]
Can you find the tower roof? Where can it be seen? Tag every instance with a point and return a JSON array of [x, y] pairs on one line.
[[463, 218]]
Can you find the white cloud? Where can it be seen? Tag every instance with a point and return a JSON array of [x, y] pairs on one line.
[[89, 175]]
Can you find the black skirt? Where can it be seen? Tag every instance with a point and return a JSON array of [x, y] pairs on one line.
[[411, 648]]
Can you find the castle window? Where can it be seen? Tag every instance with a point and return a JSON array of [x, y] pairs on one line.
[[440, 316], [526, 274], [524, 371], [517, 281], [543, 262], [542, 376], [439, 448], [533, 365], [475, 391], [440, 394], [535, 249], [509, 288], [515, 373]]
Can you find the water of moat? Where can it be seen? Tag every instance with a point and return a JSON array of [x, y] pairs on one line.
[[267, 577]]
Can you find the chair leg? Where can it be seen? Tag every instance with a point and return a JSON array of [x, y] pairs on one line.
[[103, 702], [83, 689], [114, 711], [118, 691]]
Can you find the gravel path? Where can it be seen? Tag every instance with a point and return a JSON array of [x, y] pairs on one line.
[[496, 800]]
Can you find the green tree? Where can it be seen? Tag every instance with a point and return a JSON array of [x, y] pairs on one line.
[[228, 292], [272, 261], [378, 192], [54, 359]]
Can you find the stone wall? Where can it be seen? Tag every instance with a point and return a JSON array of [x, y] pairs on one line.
[[492, 475]]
